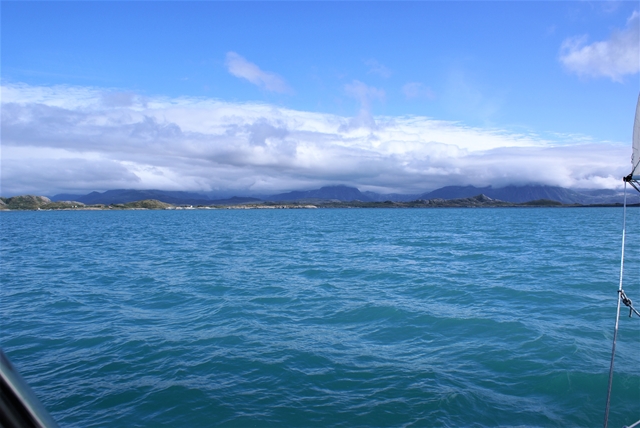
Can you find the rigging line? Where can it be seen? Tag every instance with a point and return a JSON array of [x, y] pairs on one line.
[[632, 426], [615, 331], [628, 303], [629, 179]]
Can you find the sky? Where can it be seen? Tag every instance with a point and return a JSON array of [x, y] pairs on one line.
[[257, 98]]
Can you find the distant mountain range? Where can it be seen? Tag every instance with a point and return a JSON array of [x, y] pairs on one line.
[[515, 194], [339, 193], [519, 194]]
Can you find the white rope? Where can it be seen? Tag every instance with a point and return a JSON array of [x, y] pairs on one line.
[[615, 331]]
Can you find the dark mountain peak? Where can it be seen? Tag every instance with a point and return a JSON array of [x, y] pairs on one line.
[[65, 197], [234, 200], [455, 192], [333, 192]]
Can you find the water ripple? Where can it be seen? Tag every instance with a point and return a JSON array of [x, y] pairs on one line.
[[452, 317]]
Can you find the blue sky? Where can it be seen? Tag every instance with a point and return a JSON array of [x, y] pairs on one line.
[[384, 96]]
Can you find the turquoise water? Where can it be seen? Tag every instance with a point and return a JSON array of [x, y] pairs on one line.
[[336, 317]]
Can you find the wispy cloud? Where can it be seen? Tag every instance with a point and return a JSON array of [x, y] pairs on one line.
[[67, 139], [376, 68], [466, 96], [240, 67], [365, 95], [614, 58], [416, 90]]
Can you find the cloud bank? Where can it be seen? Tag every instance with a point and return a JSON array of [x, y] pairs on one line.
[[614, 58], [240, 67], [79, 139]]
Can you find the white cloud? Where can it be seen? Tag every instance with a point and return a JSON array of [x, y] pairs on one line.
[[67, 139], [376, 68], [240, 67], [613, 58], [413, 90], [365, 95]]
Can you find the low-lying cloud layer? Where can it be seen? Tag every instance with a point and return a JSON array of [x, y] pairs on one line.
[[75, 139]]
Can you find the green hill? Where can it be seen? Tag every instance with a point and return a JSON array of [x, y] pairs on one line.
[[26, 202], [149, 204]]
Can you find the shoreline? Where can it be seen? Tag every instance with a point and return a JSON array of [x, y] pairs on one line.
[[329, 205], [41, 203]]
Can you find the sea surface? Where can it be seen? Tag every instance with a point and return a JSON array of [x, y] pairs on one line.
[[322, 318]]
